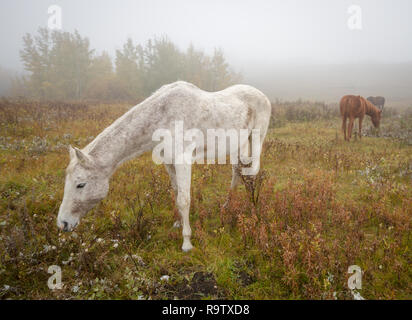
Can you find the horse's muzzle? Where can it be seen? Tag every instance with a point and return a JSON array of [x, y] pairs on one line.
[[66, 226]]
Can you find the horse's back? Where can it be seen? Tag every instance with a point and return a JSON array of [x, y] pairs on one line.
[[234, 95], [377, 101], [345, 103], [243, 92], [380, 100], [350, 105], [238, 106], [238, 98], [252, 97]]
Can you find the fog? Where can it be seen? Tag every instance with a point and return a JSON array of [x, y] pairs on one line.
[[289, 49]]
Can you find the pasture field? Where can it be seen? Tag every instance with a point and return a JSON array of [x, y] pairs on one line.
[[318, 206]]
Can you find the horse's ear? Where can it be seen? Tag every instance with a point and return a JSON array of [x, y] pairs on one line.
[[81, 156], [72, 152]]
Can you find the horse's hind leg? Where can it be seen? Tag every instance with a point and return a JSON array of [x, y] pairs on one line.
[[235, 177], [238, 169], [183, 180], [255, 148], [344, 118], [350, 128], [235, 182], [360, 128]]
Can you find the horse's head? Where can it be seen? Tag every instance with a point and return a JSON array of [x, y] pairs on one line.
[[86, 184], [376, 118]]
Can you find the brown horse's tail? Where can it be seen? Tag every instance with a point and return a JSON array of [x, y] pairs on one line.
[[344, 102], [342, 105]]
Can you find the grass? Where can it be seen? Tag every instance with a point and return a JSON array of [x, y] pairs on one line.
[[323, 205]]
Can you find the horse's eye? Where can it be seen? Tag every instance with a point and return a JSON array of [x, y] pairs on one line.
[[80, 185]]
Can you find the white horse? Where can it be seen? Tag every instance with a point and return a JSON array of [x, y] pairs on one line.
[[87, 176]]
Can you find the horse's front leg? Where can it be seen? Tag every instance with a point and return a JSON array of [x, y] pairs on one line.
[[170, 168], [183, 180]]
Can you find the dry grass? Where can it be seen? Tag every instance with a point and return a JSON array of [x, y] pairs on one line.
[[319, 206]]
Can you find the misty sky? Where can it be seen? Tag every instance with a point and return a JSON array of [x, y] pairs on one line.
[[251, 32]]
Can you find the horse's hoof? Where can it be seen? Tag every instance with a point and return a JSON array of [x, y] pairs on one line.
[[187, 247]]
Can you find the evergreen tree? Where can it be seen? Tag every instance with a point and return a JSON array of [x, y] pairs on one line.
[[62, 66], [58, 62], [129, 70]]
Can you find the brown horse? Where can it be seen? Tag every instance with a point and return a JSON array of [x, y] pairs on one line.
[[377, 101], [353, 107]]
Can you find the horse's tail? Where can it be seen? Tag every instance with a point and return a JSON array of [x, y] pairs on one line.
[[343, 104]]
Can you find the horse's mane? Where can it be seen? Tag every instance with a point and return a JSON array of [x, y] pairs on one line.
[[369, 107]]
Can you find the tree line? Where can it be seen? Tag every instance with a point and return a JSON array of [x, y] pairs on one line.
[[61, 65]]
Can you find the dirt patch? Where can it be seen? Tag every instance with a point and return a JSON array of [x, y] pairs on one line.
[[244, 272], [245, 278], [203, 284]]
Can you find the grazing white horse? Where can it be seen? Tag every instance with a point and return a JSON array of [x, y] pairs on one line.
[[87, 176]]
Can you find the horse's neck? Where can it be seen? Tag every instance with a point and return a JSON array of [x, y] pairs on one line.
[[126, 138], [370, 109]]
